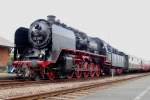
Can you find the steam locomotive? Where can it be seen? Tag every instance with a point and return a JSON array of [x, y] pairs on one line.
[[51, 49]]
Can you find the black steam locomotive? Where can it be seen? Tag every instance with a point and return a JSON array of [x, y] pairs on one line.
[[50, 49]]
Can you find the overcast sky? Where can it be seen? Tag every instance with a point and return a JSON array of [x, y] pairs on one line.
[[125, 24]]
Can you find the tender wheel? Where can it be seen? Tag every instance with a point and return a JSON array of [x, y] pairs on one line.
[[97, 68], [86, 70], [119, 71], [92, 70], [78, 72]]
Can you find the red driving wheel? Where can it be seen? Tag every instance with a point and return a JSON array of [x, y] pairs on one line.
[[86, 70], [97, 70], [92, 70], [51, 75], [120, 71], [78, 72], [70, 75]]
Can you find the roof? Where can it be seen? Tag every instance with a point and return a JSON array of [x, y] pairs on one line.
[[5, 43]]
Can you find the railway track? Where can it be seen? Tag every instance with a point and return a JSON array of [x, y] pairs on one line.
[[71, 93], [13, 83], [4, 84]]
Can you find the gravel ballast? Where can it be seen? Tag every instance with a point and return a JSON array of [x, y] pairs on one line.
[[51, 87]]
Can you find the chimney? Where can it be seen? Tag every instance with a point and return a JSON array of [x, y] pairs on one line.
[[51, 18]]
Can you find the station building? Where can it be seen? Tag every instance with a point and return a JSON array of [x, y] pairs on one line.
[[5, 47]]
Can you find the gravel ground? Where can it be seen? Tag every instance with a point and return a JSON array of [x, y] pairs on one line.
[[50, 87], [5, 75]]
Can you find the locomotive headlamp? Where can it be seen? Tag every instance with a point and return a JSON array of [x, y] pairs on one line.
[[18, 56], [40, 56]]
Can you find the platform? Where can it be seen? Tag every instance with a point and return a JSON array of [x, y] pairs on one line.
[[132, 90]]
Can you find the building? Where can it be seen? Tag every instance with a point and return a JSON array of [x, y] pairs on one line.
[[5, 47]]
